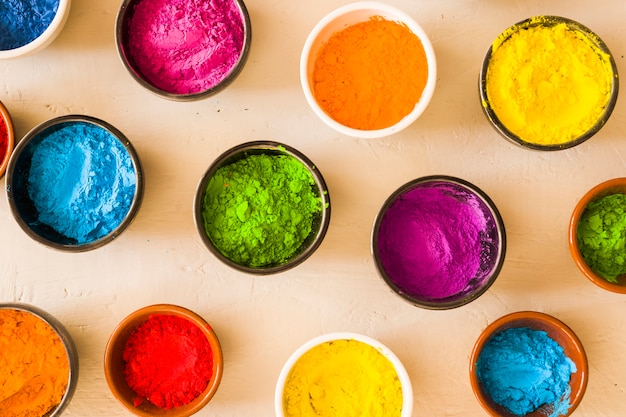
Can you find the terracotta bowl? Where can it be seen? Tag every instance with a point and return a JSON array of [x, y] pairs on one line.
[[613, 186], [556, 330], [8, 122], [114, 364]]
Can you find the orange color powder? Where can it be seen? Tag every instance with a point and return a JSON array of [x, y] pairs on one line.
[[371, 74]]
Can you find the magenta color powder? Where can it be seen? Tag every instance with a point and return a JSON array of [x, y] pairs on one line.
[[437, 241], [185, 46]]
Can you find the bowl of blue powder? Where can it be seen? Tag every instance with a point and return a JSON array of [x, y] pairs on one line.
[[528, 364], [439, 242], [262, 207], [74, 183], [28, 26]]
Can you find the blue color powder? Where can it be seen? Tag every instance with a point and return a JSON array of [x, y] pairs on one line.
[[22, 21], [82, 181], [522, 369]]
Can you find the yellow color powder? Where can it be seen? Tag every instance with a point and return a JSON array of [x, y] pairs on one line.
[[34, 365], [343, 378], [548, 83]]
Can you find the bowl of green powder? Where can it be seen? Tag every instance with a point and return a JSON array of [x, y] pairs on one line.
[[262, 207], [548, 83], [597, 235], [343, 374], [528, 364], [74, 183]]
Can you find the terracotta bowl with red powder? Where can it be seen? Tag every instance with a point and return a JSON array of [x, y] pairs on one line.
[[177, 342], [7, 138]]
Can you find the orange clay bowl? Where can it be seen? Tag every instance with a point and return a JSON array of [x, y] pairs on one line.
[[114, 364], [556, 330], [6, 117], [613, 186]]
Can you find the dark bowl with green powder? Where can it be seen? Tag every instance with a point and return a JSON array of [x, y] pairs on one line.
[[74, 183], [597, 235], [262, 207]]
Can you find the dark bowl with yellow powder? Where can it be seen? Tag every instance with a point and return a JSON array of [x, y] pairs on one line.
[[597, 235], [39, 362], [548, 83], [368, 70], [343, 374], [262, 207]]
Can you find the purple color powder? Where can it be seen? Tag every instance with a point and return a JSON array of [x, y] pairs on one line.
[[185, 46], [437, 240]]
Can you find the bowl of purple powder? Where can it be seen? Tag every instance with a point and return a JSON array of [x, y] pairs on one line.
[[74, 183], [28, 26], [183, 50], [439, 242]]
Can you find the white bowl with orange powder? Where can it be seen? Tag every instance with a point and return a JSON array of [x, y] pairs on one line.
[[368, 70]]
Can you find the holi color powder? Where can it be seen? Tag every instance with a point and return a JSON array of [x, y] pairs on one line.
[[23, 21], [438, 240], [4, 140], [184, 46]]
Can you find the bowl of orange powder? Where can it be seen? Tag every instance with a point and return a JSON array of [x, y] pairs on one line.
[[38, 362], [368, 70]]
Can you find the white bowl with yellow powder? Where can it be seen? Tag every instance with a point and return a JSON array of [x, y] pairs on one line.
[[39, 362], [548, 83], [343, 374], [368, 70]]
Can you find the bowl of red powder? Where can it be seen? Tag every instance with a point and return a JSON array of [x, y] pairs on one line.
[[368, 70], [7, 138], [182, 49], [39, 362], [163, 360], [597, 235], [262, 207], [439, 242]]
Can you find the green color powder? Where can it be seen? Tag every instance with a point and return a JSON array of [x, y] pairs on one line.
[[259, 210], [602, 236]]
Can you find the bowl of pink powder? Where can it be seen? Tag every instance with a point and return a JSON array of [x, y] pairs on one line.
[[7, 138], [439, 242], [183, 50]]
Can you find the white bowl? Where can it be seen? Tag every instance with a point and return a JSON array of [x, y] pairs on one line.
[[403, 376], [338, 20], [46, 37]]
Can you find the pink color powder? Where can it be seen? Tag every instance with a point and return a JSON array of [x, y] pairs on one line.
[[185, 46]]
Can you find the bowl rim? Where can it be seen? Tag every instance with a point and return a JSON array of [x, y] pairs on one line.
[[550, 20], [272, 147], [5, 115], [45, 38], [117, 135], [522, 319], [125, 56], [68, 343], [603, 189], [499, 225], [377, 8], [128, 324], [403, 375]]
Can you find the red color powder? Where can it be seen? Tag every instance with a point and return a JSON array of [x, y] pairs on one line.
[[4, 140], [168, 361]]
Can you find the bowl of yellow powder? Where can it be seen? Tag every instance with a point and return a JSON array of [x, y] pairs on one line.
[[39, 362], [343, 374], [548, 83], [262, 207], [597, 235], [368, 70]]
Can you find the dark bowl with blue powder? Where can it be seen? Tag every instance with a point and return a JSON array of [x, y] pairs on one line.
[[74, 183], [28, 26], [528, 364]]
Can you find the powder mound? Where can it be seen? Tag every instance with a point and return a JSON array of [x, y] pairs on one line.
[[82, 181], [523, 369], [23, 21]]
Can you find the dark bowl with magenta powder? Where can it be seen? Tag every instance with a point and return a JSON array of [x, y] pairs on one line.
[[163, 360], [262, 207], [183, 50], [439, 242], [74, 183]]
